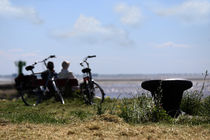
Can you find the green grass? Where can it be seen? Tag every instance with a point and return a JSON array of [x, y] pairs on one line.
[[137, 110], [47, 112]]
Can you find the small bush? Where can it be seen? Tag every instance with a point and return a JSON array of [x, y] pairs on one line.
[[206, 106], [141, 109], [159, 114], [191, 103]]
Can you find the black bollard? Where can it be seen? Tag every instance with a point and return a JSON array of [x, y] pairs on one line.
[[170, 92]]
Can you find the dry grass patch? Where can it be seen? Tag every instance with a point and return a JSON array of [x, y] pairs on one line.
[[102, 127]]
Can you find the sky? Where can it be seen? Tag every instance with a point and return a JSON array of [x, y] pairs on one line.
[[127, 36]]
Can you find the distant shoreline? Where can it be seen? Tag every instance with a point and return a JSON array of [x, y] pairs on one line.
[[129, 79]]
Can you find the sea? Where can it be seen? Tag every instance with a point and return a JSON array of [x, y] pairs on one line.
[[129, 85]]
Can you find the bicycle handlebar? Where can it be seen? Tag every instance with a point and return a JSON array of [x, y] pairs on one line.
[[91, 56], [85, 60], [51, 56]]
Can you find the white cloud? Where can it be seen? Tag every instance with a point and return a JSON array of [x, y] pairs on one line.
[[189, 11], [130, 15], [172, 45], [90, 30], [8, 10]]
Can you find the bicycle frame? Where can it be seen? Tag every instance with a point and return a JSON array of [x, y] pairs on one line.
[[50, 76], [87, 70], [49, 82], [89, 86]]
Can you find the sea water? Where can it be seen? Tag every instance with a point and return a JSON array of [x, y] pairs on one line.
[[129, 85], [120, 86]]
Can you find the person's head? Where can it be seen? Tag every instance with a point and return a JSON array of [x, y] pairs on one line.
[[50, 65], [65, 64]]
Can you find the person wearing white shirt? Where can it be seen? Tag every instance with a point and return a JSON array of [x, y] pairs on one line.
[[65, 74]]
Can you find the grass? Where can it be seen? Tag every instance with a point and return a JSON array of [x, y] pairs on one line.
[[135, 118], [47, 112], [137, 110], [138, 118]]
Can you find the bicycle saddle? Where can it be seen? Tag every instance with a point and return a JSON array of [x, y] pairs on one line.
[[29, 68], [86, 70]]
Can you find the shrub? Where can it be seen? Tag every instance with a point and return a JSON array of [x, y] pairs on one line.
[[135, 110], [159, 114], [191, 103], [206, 106], [141, 109]]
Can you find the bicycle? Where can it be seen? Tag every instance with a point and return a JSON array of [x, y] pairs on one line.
[[89, 88], [33, 90]]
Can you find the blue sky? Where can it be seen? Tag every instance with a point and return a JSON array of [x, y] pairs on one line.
[[128, 36]]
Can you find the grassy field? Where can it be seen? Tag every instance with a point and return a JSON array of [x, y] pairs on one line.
[[135, 118]]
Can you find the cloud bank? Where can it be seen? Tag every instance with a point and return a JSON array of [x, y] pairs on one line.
[[130, 15], [90, 30], [189, 11], [8, 10]]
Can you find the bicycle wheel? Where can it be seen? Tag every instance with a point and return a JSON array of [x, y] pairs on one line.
[[30, 97], [87, 95], [98, 92]]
